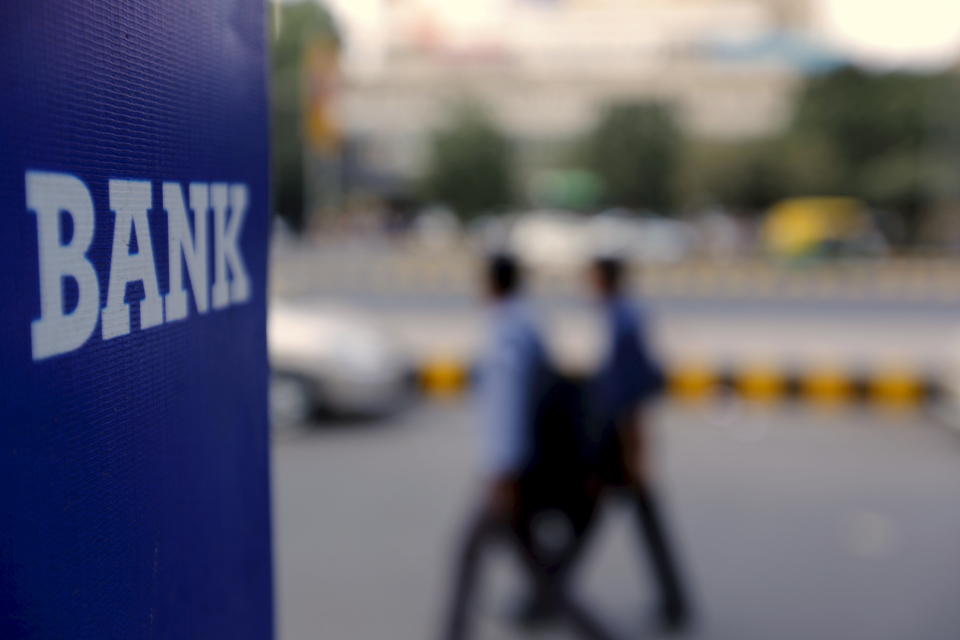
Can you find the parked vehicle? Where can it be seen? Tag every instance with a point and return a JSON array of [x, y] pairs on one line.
[[641, 237], [564, 239], [949, 405], [815, 228], [332, 360], [550, 239]]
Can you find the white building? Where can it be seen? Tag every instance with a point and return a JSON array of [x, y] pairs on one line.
[[545, 68]]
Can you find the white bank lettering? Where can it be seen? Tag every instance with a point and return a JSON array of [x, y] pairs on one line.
[[50, 196]]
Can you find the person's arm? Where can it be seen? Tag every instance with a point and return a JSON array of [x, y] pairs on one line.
[[504, 494], [634, 445], [648, 380], [651, 377], [507, 423]]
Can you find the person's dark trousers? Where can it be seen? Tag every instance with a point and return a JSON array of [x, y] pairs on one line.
[[676, 608], [614, 477], [485, 528], [579, 509]]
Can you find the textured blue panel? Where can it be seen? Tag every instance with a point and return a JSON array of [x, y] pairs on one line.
[[134, 497]]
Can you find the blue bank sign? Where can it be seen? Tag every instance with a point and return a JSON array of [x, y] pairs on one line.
[[56, 198], [134, 499]]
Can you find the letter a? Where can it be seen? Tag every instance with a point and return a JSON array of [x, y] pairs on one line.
[[130, 201]]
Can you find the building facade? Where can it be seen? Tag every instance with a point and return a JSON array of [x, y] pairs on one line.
[[546, 68]]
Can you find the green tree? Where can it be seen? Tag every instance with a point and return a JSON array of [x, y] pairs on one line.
[[634, 150], [294, 27], [750, 176], [741, 175], [470, 164], [866, 115], [885, 130]]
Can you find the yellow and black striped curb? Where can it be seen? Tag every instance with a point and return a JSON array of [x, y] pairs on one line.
[[826, 386]]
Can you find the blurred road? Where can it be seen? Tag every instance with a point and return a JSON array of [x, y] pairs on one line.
[[794, 525]]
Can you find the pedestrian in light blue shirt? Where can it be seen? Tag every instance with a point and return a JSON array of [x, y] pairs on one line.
[[511, 371], [510, 368]]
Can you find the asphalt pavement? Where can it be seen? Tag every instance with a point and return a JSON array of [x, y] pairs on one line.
[[793, 524]]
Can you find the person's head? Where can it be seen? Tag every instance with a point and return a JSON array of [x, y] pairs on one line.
[[503, 277], [607, 275]]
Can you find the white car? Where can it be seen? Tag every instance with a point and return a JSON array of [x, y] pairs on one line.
[[948, 406], [331, 359], [551, 239], [562, 240], [644, 238]]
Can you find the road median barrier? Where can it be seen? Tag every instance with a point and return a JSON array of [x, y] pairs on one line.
[[693, 383]]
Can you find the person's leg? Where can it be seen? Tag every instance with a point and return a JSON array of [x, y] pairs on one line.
[[676, 608], [481, 528], [581, 513], [553, 590]]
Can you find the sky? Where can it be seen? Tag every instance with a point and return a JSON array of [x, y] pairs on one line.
[[894, 32], [883, 33]]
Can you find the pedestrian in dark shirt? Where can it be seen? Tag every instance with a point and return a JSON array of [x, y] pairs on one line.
[[629, 376], [615, 448]]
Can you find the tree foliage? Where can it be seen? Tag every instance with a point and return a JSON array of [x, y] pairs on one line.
[[470, 164], [294, 27], [883, 128], [890, 139], [867, 116], [750, 176], [634, 150]]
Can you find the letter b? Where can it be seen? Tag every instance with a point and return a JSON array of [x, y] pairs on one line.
[[57, 331]]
